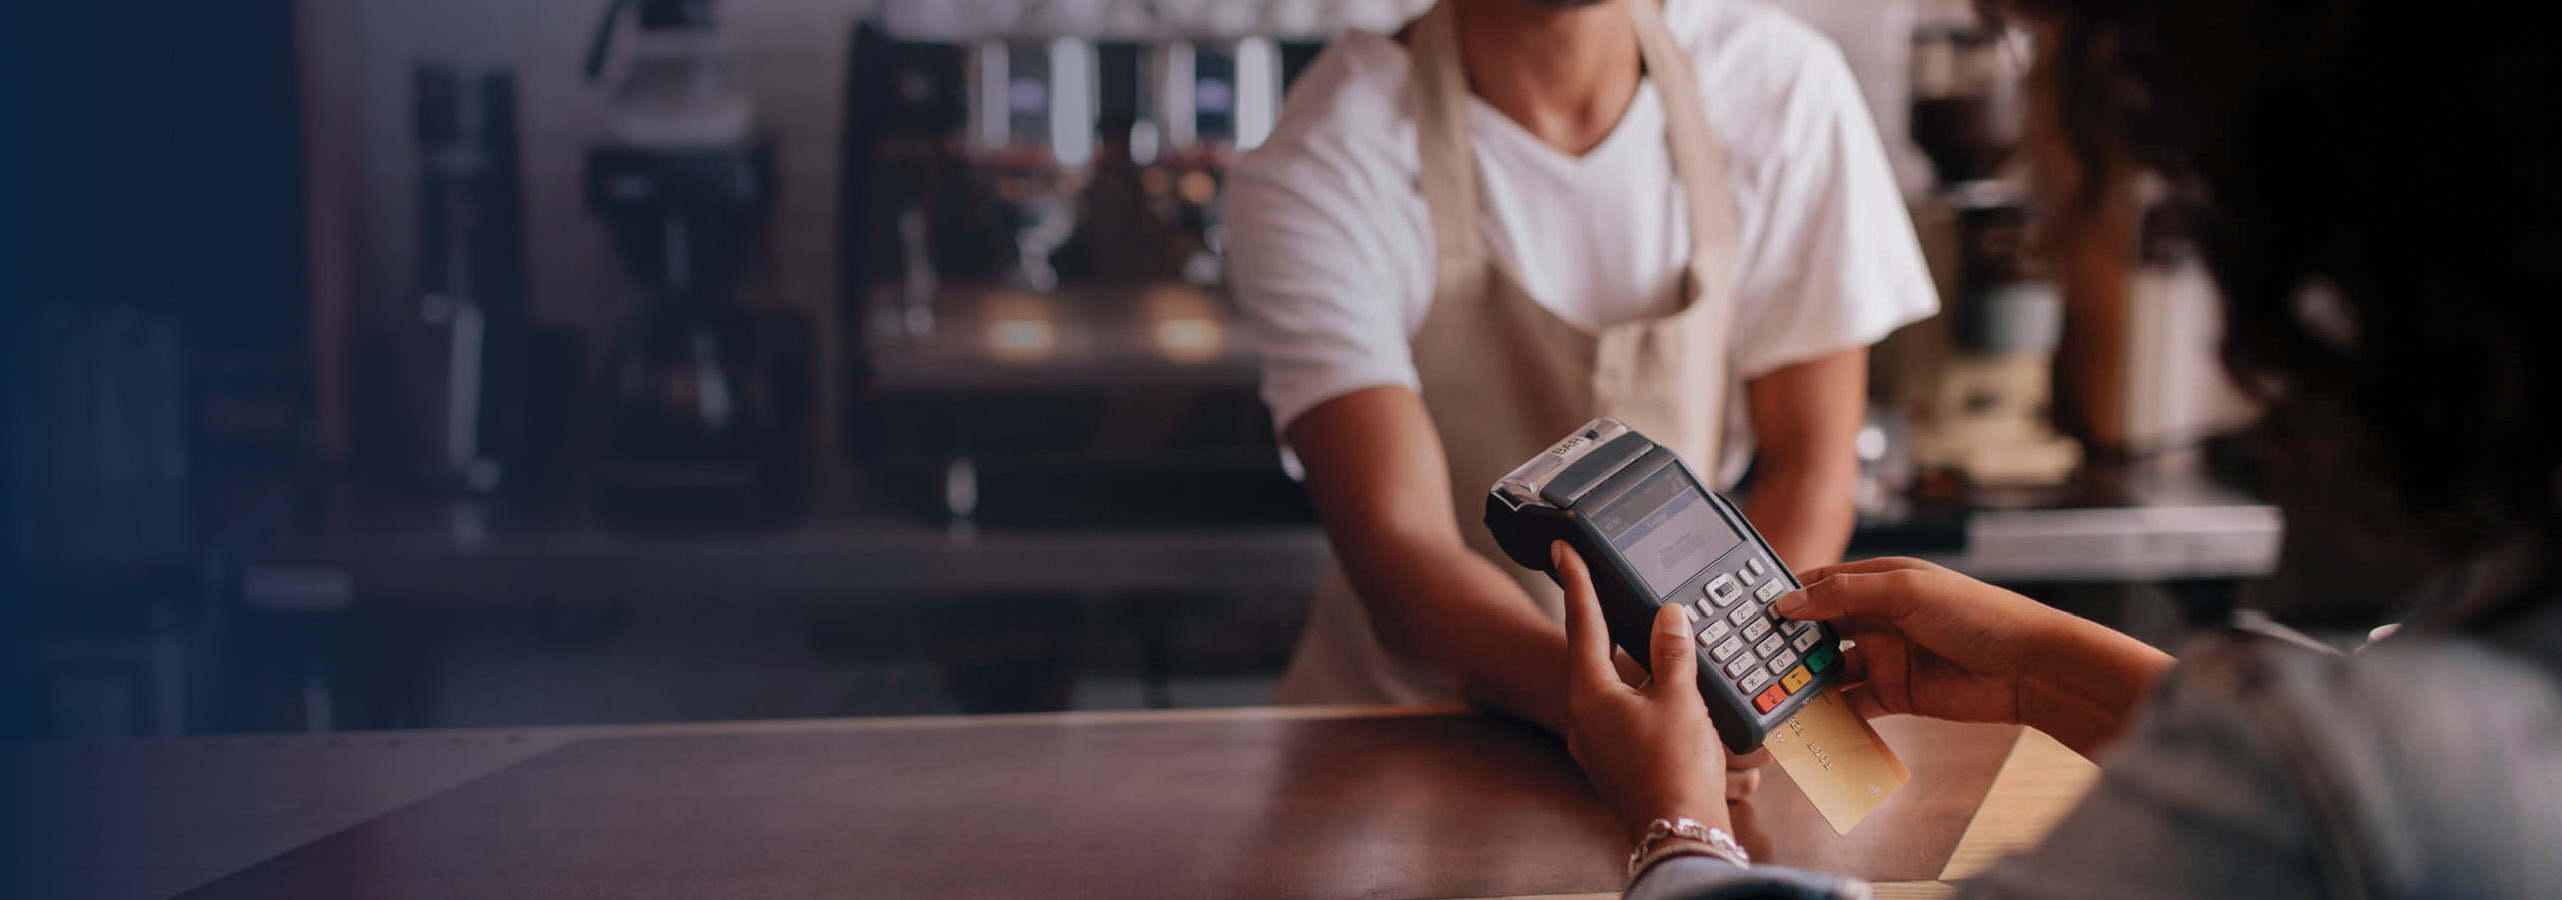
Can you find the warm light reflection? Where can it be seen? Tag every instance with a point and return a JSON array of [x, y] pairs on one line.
[[1197, 188], [1184, 323], [1188, 340], [1022, 340], [1020, 327]]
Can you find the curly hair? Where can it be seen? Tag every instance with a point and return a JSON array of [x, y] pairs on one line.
[[2377, 190]]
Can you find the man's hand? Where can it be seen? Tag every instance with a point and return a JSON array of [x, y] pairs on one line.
[[1650, 751]]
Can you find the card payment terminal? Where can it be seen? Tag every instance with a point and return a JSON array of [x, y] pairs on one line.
[[1652, 533]]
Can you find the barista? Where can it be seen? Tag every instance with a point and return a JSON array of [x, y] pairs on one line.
[[1515, 215]]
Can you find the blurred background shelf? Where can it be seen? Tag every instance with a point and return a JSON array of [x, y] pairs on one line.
[[851, 563], [454, 555], [456, 392]]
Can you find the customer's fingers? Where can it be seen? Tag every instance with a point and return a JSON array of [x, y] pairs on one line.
[[1863, 701], [1854, 665], [1846, 595], [1867, 566], [1587, 637]]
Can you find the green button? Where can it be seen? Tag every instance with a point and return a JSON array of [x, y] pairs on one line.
[[1821, 659]]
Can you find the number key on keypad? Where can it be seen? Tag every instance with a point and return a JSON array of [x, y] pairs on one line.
[[1744, 613], [1769, 645], [1769, 589], [1741, 665], [1782, 663], [1759, 627], [1725, 651]]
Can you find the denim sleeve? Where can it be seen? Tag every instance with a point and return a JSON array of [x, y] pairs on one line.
[[2189, 805], [1707, 878], [2194, 802], [2418, 768]]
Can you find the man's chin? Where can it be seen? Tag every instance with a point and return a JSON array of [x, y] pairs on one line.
[[1564, 5]]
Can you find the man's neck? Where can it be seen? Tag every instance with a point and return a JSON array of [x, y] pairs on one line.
[[1567, 76]]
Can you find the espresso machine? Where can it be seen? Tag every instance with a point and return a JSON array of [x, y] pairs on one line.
[[1034, 267], [700, 399], [1043, 159], [1984, 416], [910, 211], [1217, 101]]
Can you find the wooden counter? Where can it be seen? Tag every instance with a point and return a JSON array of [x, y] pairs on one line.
[[1249, 803]]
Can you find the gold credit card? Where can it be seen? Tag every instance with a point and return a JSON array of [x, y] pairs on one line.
[[1837, 760]]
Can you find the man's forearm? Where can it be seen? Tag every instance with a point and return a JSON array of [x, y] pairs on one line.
[[1808, 417], [1376, 472], [1451, 611], [1805, 511]]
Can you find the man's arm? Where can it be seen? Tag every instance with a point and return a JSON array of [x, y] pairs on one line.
[[1382, 489], [1807, 417]]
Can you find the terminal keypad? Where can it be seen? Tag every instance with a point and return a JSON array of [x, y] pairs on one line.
[[1765, 657]]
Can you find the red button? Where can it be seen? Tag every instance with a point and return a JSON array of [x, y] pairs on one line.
[[1769, 699]]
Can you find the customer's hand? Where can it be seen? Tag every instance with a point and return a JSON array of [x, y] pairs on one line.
[[1932, 642], [1649, 750]]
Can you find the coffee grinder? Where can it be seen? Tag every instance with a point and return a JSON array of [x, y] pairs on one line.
[[694, 431], [1985, 416]]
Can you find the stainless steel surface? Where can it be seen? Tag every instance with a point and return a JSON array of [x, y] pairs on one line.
[[2127, 544]]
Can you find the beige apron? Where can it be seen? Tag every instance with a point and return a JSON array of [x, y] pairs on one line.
[[1503, 377]]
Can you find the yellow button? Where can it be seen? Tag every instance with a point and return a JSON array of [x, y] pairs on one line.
[[1796, 678]]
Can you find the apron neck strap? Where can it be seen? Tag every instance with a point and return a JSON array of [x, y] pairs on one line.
[[1448, 161], [1698, 161]]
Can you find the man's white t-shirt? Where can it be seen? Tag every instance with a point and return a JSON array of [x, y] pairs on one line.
[[1331, 247]]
